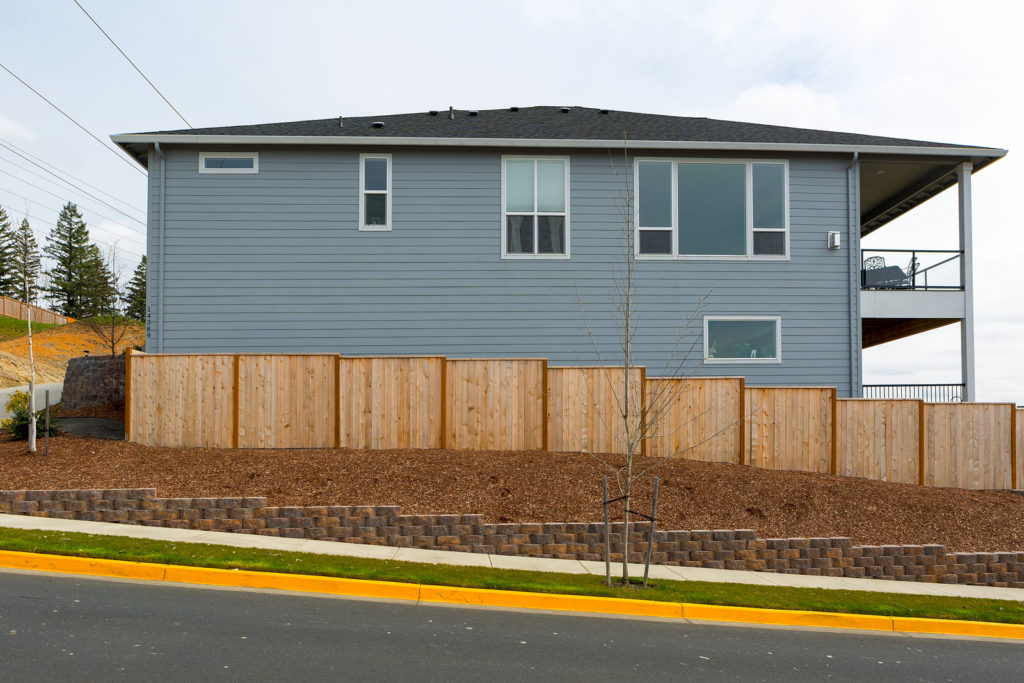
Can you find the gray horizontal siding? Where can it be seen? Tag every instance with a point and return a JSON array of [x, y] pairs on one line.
[[274, 262]]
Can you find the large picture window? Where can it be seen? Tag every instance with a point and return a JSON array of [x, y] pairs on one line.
[[535, 197], [712, 209], [742, 339], [375, 192]]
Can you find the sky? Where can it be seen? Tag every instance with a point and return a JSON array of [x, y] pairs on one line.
[[929, 70]]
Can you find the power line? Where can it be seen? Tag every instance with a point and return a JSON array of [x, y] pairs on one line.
[[138, 239], [68, 117], [83, 192], [133, 64], [37, 160], [42, 236]]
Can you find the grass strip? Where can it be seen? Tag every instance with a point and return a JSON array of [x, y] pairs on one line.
[[12, 328], [728, 594]]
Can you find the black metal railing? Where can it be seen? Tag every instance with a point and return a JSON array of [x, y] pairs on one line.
[[933, 393], [911, 269]]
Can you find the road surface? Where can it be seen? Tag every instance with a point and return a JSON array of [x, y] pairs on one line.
[[55, 392], [64, 627]]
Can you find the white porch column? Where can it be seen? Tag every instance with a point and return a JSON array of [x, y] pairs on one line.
[[963, 177]]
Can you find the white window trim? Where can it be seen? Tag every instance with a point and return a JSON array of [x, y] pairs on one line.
[[363, 192], [675, 255], [255, 156], [504, 215], [745, 361]]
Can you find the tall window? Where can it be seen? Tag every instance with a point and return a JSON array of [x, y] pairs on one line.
[[375, 192], [536, 199], [712, 209]]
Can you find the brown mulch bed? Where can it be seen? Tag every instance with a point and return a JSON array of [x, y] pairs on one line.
[[109, 411], [531, 486]]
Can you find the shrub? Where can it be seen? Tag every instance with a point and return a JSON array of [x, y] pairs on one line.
[[17, 423]]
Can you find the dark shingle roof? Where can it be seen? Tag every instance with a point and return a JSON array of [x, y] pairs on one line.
[[551, 123]]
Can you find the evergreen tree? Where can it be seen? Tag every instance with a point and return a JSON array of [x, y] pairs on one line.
[[68, 246], [99, 291], [8, 283], [26, 263], [135, 297]]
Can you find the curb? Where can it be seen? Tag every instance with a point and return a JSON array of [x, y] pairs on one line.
[[482, 597]]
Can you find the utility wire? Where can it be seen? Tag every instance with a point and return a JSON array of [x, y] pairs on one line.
[[28, 156], [80, 190], [68, 117], [53, 194], [42, 236], [134, 65]]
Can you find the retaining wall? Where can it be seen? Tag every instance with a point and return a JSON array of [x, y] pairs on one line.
[[93, 380], [383, 525]]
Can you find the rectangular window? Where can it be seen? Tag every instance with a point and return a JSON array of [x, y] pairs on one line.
[[229, 162], [742, 339], [375, 192], [535, 221], [712, 208]]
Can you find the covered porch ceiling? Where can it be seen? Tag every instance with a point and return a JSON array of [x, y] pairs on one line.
[[891, 185]]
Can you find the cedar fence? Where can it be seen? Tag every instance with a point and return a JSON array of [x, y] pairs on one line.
[[12, 308], [331, 401]]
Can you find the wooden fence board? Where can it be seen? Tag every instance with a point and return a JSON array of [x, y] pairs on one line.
[[12, 308], [181, 401], [390, 402], [878, 439], [697, 418], [585, 408], [495, 404], [1018, 458], [790, 428], [968, 445], [286, 401]]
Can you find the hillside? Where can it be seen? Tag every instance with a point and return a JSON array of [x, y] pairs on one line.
[[11, 328], [53, 348]]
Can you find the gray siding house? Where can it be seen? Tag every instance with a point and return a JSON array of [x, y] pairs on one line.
[[502, 233]]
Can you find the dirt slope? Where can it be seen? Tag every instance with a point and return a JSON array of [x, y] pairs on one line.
[[53, 348]]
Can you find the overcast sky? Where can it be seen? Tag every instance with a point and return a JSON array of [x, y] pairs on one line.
[[943, 71]]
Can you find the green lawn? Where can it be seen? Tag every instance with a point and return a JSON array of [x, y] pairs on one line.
[[200, 555], [12, 327]]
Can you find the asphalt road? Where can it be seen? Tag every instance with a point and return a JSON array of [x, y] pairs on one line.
[[70, 628]]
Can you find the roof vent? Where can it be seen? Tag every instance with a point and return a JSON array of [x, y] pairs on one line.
[[432, 112], [341, 122], [604, 111], [513, 108], [474, 112], [564, 110], [377, 124], [451, 113]]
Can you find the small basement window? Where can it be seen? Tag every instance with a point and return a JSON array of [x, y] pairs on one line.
[[375, 192], [229, 162], [742, 339]]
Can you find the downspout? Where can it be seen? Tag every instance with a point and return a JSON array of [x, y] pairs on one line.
[[160, 249], [853, 242]]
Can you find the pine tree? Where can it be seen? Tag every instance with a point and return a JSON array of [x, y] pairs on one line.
[[68, 246], [8, 283], [135, 297], [99, 292], [26, 265]]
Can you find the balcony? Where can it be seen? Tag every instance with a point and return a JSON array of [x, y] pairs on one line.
[[920, 270]]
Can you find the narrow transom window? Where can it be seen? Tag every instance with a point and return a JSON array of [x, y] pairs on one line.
[[712, 208], [229, 162], [375, 192], [742, 339], [535, 217]]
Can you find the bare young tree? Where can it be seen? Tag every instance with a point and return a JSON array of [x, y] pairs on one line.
[[26, 265], [110, 324]]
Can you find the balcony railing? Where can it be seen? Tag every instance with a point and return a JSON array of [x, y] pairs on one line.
[[911, 269], [932, 393]]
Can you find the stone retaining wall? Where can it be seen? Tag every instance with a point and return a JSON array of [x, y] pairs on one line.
[[93, 380], [383, 525]]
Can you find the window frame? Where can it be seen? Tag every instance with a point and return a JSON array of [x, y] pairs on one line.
[[777, 319], [389, 224], [203, 156], [749, 210], [535, 213]]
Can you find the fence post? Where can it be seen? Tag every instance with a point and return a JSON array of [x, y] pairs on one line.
[[921, 428], [643, 407], [1014, 446], [743, 421], [235, 434], [128, 394], [834, 467], [544, 427], [337, 400], [444, 402]]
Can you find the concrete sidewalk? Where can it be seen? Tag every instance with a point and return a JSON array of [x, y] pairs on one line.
[[506, 561]]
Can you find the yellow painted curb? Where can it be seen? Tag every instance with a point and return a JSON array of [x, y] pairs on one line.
[[497, 598]]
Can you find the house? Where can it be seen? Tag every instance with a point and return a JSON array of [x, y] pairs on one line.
[[491, 233]]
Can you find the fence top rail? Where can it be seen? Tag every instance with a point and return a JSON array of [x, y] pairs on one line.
[[535, 360], [968, 403], [885, 400], [763, 386]]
